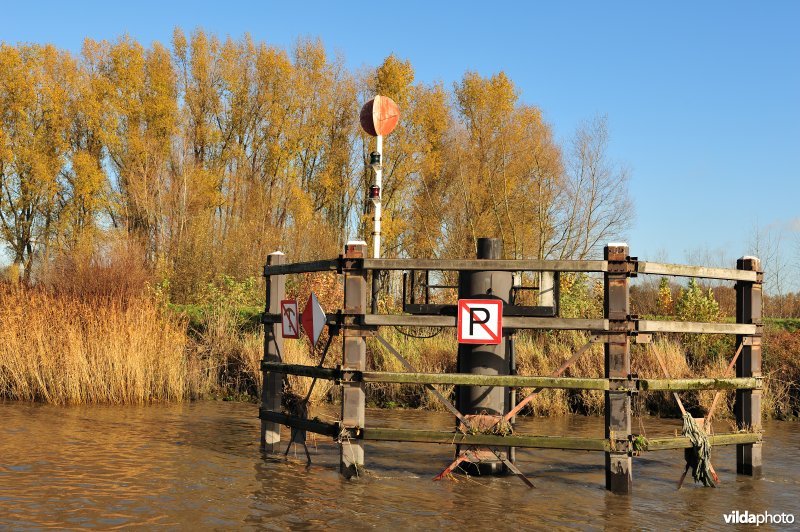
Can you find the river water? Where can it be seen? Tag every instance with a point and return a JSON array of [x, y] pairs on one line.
[[198, 466]]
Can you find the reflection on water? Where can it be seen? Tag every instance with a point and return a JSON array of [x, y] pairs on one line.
[[198, 465]]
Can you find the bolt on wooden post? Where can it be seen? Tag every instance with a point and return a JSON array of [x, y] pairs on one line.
[[272, 382], [354, 359], [617, 366], [747, 407]]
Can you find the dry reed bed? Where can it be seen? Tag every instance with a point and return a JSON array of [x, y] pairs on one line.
[[68, 350]]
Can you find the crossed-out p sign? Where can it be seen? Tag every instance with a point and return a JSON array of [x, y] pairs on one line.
[[480, 321]]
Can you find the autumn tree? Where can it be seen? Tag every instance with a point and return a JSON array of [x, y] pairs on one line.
[[212, 153], [665, 304], [35, 88]]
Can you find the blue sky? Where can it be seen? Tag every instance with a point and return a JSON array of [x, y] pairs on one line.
[[702, 98]]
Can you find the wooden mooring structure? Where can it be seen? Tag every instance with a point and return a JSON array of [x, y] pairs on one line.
[[485, 405]]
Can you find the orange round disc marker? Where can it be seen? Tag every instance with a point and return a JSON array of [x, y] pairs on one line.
[[379, 116]]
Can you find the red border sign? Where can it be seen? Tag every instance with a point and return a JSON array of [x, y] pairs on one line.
[[290, 320], [468, 319]]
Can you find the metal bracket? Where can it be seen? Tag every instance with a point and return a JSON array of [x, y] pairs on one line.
[[643, 338], [359, 330], [346, 376], [630, 385], [628, 266], [352, 433], [349, 264]]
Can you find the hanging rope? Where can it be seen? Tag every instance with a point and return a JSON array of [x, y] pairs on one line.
[[420, 337], [698, 456]]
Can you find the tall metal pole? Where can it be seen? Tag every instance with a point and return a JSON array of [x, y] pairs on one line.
[[376, 231]]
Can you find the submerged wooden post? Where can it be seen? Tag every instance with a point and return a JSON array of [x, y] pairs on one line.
[[351, 456], [748, 402], [272, 382], [617, 366]]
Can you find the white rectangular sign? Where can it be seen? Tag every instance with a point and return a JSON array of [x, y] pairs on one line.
[[290, 320], [480, 321]]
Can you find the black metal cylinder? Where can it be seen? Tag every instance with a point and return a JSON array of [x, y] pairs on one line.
[[485, 359]]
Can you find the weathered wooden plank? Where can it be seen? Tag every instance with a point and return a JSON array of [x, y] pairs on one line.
[[653, 326], [699, 384], [658, 268], [327, 265], [302, 371], [487, 265], [330, 319], [457, 438], [439, 378], [470, 379], [661, 444], [310, 425], [511, 322]]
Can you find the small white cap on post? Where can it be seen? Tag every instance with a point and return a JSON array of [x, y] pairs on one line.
[[356, 243], [277, 253]]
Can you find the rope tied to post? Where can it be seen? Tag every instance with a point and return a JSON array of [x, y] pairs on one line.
[[698, 456]]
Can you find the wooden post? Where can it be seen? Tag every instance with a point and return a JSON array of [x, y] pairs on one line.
[[748, 402], [617, 366], [272, 382], [354, 358]]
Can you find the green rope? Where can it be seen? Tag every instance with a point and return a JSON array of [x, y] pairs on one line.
[[699, 455]]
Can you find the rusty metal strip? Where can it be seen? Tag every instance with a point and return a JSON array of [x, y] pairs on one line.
[[667, 375], [719, 392], [406, 364], [514, 411]]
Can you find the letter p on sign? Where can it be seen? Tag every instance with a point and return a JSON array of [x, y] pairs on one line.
[[480, 321]]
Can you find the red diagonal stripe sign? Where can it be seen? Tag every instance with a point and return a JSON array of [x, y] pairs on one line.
[[480, 321], [289, 319]]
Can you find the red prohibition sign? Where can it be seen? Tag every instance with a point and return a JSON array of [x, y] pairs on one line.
[[480, 321]]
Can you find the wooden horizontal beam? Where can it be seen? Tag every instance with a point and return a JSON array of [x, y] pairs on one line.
[[301, 371], [487, 265], [510, 322], [654, 268], [654, 326], [458, 438], [749, 383], [468, 379], [514, 381], [311, 425], [328, 265], [681, 270], [662, 444]]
